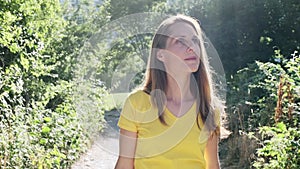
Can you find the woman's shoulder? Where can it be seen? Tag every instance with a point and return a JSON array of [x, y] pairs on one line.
[[138, 95], [139, 99]]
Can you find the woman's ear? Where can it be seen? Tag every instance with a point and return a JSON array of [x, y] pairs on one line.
[[160, 55]]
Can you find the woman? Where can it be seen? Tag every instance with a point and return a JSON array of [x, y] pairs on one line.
[[173, 121]]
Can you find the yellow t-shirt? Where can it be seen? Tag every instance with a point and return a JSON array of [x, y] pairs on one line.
[[180, 144]]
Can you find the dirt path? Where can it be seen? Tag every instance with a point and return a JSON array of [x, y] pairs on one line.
[[98, 156], [104, 152]]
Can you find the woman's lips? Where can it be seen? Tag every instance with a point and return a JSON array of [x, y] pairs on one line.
[[191, 58]]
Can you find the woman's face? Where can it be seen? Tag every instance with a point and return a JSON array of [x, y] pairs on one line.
[[182, 53]]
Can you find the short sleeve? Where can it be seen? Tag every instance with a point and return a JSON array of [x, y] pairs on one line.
[[127, 118]]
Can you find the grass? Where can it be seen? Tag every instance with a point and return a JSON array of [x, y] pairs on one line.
[[115, 100]]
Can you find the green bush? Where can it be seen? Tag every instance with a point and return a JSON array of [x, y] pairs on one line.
[[34, 136], [259, 97], [280, 148], [253, 92], [39, 123]]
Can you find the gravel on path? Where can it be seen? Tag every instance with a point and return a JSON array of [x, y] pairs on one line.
[[103, 153]]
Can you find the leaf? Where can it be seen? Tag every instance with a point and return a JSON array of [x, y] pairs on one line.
[[47, 119], [43, 141], [281, 126], [24, 62], [46, 129]]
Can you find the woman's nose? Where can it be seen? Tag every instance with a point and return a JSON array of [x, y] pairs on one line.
[[190, 48]]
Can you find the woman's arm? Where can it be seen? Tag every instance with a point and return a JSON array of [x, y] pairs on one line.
[[211, 152], [127, 149]]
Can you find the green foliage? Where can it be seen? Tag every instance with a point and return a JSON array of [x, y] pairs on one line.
[[260, 96], [280, 144], [120, 8], [124, 58], [90, 105], [280, 148], [253, 92], [40, 126], [33, 136], [120, 57], [25, 27]]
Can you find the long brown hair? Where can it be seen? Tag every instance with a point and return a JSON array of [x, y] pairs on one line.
[[201, 82]]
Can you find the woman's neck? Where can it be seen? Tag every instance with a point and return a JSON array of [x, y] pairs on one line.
[[178, 89]]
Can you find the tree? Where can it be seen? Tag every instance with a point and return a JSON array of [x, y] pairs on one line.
[[40, 128]]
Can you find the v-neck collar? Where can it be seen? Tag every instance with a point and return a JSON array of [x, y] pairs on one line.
[[191, 110]]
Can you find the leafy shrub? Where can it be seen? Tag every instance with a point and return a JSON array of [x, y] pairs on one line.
[[253, 92], [261, 95], [39, 126], [280, 147], [280, 144], [34, 136]]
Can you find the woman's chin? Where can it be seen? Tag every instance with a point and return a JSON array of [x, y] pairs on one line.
[[193, 68]]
